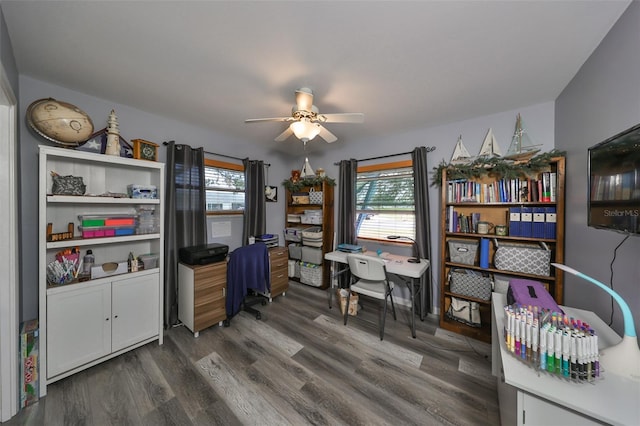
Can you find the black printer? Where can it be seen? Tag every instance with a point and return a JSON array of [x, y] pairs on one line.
[[203, 254]]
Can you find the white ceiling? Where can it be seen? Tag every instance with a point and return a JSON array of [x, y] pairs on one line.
[[405, 65]]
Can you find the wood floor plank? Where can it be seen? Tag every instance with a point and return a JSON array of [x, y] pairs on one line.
[[247, 403], [192, 392], [369, 344]]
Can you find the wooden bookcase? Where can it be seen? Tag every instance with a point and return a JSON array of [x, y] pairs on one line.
[[294, 209], [496, 212]]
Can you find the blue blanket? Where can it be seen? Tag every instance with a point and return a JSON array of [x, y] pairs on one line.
[[248, 268]]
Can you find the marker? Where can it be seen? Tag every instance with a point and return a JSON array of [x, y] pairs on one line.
[[574, 355], [517, 335], [543, 347], [558, 350], [524, 343], [566, 349], [580, 346], [535, 334], [597, 354], [550, 350]]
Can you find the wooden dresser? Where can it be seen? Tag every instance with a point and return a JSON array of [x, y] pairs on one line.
[[202, 292], [279, 257]]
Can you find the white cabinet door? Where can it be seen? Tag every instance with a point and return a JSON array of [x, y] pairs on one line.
[[135, 310], [78, 327]]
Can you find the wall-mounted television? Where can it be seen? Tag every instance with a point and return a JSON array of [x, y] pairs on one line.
[[614, 183]]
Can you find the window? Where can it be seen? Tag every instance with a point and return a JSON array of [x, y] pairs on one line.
[[384, 201], [224, 186]]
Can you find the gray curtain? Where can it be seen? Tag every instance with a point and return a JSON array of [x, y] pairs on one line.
[[346, 232], [185, 216], [254, 200], [423, 229]]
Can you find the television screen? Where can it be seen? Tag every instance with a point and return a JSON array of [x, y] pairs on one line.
[[614, 177]]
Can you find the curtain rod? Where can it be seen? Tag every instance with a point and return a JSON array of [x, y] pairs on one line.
[[429, 149], [222, 155]]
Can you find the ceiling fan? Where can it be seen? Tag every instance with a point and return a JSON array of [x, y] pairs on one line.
[[307, 122]]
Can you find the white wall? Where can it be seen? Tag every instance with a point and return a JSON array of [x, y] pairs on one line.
[[603, 99]]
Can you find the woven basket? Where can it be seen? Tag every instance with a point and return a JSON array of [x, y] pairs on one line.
[[311, 274]]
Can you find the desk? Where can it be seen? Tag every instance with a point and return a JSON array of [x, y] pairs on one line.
[[546, 399], [396, 265]]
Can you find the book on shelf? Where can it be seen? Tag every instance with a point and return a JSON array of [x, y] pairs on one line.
[[538, 221], [550, 222], [526, 221], [514, 221]]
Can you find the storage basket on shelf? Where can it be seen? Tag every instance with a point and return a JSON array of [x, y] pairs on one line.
[[312, 237], [463, 251], [312, 254], [315, 197], [470, 283], [300, 198], [295, 251], [311, 274], [293, 234], [312, 217]]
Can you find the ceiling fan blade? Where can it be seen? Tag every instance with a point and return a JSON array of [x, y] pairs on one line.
[[347, 117], [327, 135], [260, 120], [304, 99], [284, 135]]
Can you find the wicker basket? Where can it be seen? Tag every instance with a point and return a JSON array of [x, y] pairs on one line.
[[312, 237], [311, 274]]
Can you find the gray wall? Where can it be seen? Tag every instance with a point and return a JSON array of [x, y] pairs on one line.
[[602, 100], [6, 55], [133, 124]]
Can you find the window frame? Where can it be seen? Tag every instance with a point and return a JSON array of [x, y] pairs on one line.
[[208, 162], [381, 167]]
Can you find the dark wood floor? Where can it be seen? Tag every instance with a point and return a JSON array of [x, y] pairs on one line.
[[298, 365]]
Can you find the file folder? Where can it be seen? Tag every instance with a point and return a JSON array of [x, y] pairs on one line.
[[537, 227], [526, 222], [514, 221], [550, 222]]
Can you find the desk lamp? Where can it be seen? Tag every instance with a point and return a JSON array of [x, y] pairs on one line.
[[622, 359], [416, 250]]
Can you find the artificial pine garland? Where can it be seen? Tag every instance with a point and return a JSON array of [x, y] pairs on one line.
[[495, 166], [306, 182]]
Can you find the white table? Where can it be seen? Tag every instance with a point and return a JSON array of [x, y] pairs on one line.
[[397, 265], [546, 399]]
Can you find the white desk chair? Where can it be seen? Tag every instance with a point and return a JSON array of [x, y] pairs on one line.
[[369, 278]]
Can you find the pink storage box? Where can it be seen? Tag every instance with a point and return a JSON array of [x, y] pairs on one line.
[[96, 233]]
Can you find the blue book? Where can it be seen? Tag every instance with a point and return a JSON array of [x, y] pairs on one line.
[[526, 221], [537, 227], [550, 222], [514, 221]]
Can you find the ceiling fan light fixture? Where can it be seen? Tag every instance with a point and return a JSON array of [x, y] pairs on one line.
[[304, 129]]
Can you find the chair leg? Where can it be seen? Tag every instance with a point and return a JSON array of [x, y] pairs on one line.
[[382, 320], [393, 307], [346, 308]]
